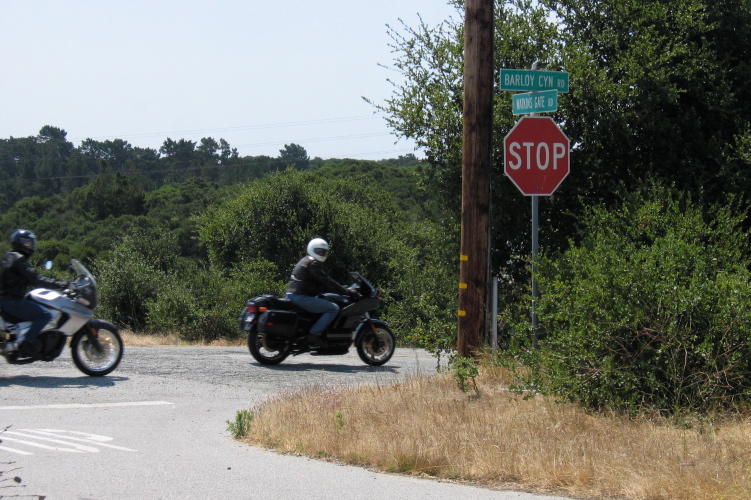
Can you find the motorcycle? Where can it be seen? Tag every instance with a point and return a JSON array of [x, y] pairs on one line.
[[96, 346], [277, 328]]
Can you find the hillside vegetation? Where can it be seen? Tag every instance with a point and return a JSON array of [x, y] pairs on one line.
[[183, 257], [644, 271]]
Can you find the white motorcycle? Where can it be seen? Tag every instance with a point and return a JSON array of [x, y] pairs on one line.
[[95, 344]]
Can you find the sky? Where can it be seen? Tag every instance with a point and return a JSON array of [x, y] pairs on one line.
[[259, 74]]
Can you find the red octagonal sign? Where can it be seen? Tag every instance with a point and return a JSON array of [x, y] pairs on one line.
[[535, 155]]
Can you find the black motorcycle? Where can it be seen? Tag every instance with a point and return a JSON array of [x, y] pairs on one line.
[[277, 328]]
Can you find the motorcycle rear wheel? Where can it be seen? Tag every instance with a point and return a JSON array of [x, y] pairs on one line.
[[97, 356], [375, 348], [267, 351]]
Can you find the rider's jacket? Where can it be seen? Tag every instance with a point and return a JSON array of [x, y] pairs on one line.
[[309, 278], [17, 277]]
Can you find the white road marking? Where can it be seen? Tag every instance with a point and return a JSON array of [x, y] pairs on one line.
[[76, 447], [38, 445], [31, 437], [86, 405], [90, 438], [70, 439], [13, 450]]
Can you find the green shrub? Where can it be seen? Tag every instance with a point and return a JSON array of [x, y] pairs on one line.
[[204, 304], [241, 426], [127, 281], [650, 311], [423, 300], [465, 373]]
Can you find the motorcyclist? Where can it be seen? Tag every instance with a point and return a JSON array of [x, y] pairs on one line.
[[309, 279], [17, 276]]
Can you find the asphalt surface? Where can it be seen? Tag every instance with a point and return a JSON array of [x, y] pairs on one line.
[[156, 428]]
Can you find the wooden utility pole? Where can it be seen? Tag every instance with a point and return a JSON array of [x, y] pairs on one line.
[[476, 161]]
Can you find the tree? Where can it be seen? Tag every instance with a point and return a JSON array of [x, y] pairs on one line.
[[53, 152], [180, 155], [668, 81], [208, 148], [427, 104], [49, 133], [657, 89], [226, 152], [294, 155], [274, 218], [112, 195], [176, 206]]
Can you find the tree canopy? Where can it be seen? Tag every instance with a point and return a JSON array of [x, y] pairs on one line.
[[48, 164], [294, 155], [658, 88]]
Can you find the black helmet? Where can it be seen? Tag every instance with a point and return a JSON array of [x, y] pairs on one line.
[[24, 241]]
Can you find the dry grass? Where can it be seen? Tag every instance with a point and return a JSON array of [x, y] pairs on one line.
[[427, 426], [131, 338]]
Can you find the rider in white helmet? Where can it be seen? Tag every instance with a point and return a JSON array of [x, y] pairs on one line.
[[308, 280]]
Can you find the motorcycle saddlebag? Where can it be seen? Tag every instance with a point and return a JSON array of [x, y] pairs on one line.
[[275, 322]]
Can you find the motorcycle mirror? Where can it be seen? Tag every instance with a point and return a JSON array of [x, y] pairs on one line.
[[48, 265]]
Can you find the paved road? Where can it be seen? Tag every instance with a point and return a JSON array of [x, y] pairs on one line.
[[156, 429]]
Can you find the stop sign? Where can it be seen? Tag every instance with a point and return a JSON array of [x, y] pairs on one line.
[[535, 155]]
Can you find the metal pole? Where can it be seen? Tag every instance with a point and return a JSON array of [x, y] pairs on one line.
[[494, 339], [535, 249]]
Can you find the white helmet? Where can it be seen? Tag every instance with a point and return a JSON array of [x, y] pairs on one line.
[[318, 249]]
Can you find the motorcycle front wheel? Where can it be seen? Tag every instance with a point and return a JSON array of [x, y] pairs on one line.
[[97, 355], [376, 347], [268, 350]]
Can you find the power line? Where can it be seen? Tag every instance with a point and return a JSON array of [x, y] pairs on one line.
[[392, 151], [238, 128], [319, 139]]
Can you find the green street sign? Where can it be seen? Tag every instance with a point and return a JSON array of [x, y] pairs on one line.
[[532, 80], [534, 102]]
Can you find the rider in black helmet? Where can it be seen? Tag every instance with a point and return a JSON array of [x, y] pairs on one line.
[[16, 278]]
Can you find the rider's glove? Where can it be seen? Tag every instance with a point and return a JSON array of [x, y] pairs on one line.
[[354, 293]]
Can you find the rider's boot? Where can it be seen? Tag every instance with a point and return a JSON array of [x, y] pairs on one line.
[[30, 348], [314, 341], [13, 345]]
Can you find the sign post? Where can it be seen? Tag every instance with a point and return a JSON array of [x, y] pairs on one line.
[[536, 151]]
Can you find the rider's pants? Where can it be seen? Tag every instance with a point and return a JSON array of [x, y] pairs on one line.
[[327, 310], [26, 310]]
